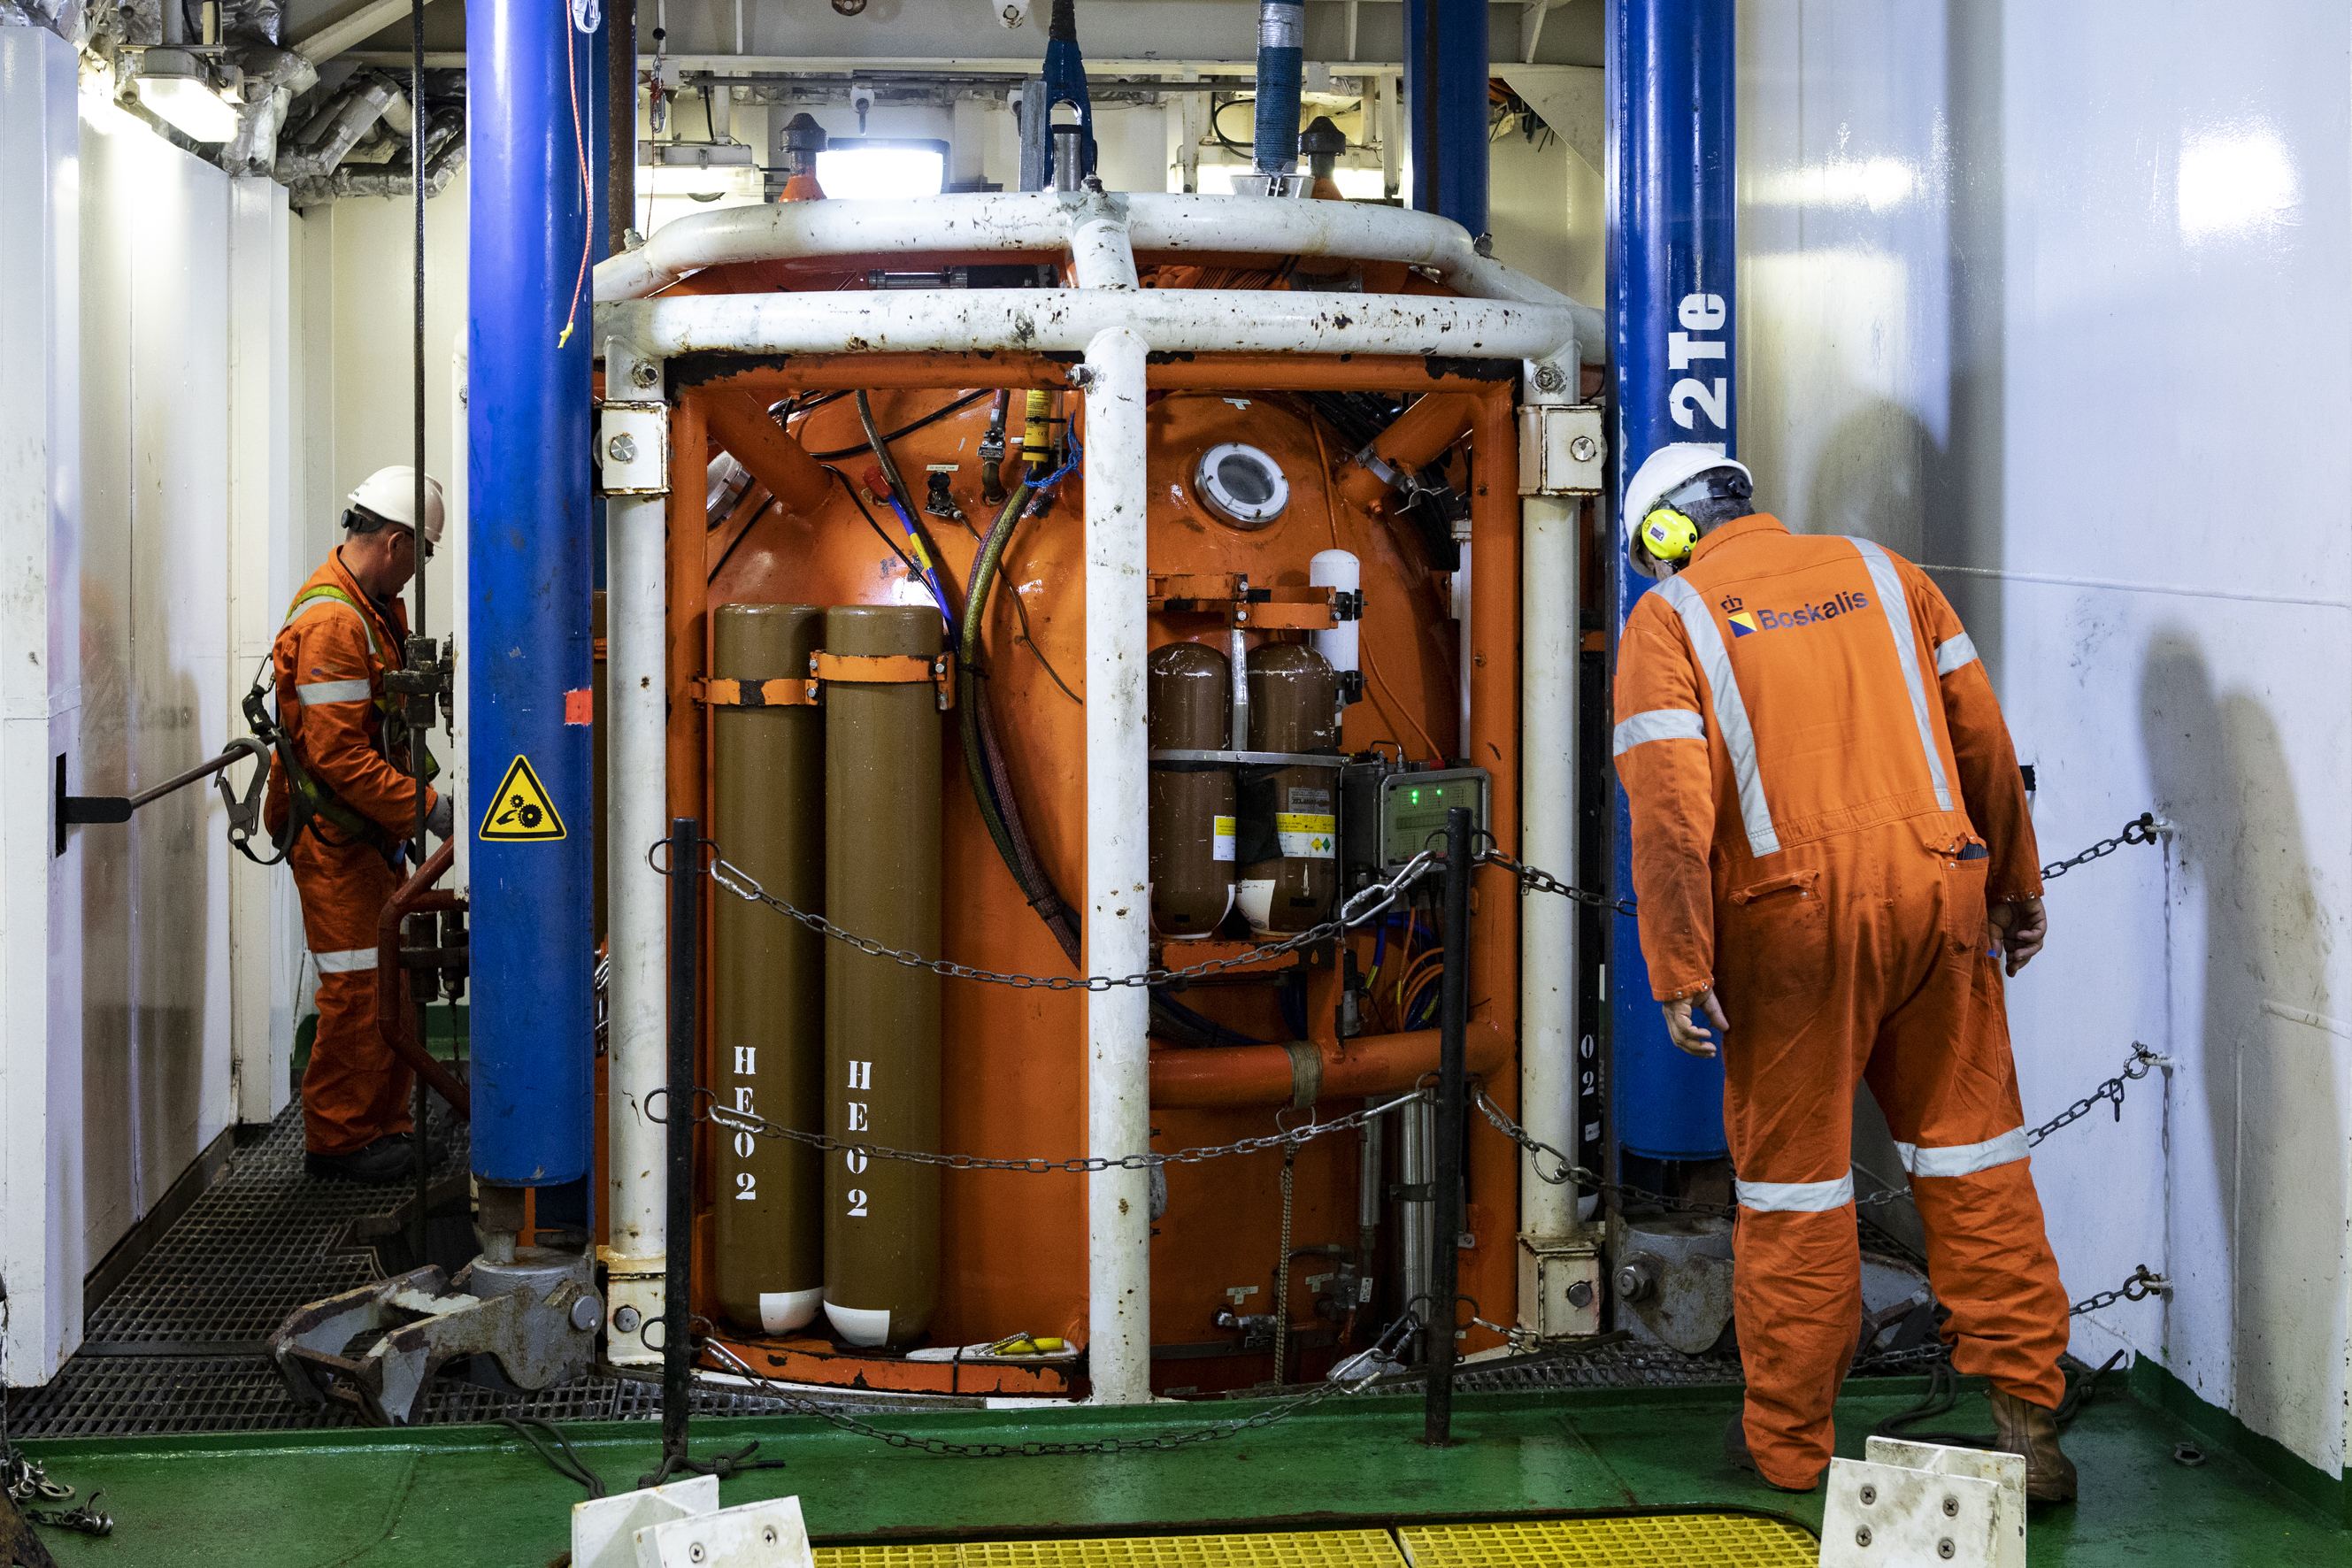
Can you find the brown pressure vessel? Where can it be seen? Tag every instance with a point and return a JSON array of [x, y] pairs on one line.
[[1289, 815], [881, 1020], [1192, 832], [768, 1003]]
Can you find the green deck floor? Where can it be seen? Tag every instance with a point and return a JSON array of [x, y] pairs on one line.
[[459, 1497]]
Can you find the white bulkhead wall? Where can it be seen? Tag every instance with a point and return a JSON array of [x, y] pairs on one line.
[[2052, 298]]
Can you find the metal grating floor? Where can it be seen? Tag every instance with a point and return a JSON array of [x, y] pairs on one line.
[[179, 1345]]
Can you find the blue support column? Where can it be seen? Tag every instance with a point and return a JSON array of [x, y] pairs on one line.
[[1445, 108], [527, 648], [1671, 269]]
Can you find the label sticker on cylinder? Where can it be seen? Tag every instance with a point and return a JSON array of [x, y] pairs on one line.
[[1307, 835], [519, 809], [1221, 837]]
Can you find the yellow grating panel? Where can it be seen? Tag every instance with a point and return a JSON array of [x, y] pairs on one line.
[[1656, 1541], [1283, 1549]]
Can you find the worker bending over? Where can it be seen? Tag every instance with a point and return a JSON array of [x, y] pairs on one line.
[[1834, 861], [351, 787]]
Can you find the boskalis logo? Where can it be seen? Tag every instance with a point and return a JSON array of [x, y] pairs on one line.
[[1746, 622]]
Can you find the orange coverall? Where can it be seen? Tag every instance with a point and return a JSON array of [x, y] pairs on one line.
[[1824, 800], [331, 657]]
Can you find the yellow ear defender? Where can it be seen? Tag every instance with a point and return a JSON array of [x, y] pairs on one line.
[[1668, 535]]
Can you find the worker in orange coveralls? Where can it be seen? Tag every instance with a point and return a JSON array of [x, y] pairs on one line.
[[1833, 861], [351, 786]]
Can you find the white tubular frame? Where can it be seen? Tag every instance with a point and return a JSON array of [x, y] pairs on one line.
[[1115, 326], [637, 1159], [1548, 635]]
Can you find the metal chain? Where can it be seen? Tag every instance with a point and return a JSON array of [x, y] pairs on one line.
[[1035, 1165], [2141, 829], [2143, 1282], [1282, 1270], [1365, 905], [839, 1416], [1565, 1170], [2142, 1062], [1536, 881]]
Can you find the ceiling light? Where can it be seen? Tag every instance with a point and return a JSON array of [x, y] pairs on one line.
[[172, 86], [879, 167]]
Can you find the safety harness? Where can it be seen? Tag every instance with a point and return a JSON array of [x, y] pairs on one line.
[[310, 802]]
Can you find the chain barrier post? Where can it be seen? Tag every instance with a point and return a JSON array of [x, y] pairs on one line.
[[685, 953], [1453, 1030]]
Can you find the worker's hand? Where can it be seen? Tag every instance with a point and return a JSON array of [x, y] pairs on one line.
[[1688, 1034], [442, 819], [2022, 925]]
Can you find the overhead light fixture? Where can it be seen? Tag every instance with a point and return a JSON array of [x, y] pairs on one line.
[[173, 85], [882, 167]]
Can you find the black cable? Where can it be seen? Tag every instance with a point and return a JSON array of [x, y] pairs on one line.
[[891, 544], [729, 554], [1217, 129], [933, 417], [562, 1457]]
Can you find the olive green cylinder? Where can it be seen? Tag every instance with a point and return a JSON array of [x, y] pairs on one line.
[[1290, 814], [881, 1019], [767, 974], [1191, 803]]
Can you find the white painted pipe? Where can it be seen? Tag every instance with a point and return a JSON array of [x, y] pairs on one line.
[[1198, 321], [636, 720], [1117, 875], [1100, 257], [1040, 222], [1547, 982]]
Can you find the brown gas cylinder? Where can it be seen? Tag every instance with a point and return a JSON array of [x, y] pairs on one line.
[[767, 1049], [1191, 802], [881, 1021], [1290, 828]]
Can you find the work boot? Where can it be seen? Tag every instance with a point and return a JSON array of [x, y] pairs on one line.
[[384, 1161], [1735, 1450], [2029, 1430]]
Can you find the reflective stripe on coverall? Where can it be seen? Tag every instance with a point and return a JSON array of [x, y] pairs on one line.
[[1824, 799], [331, 657]]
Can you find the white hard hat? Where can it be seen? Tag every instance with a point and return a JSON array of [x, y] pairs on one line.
[[1661, 473], [391, 494]]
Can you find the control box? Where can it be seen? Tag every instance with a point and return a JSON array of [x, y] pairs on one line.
[[1411, 810]]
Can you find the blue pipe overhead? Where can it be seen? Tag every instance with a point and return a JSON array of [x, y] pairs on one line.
[[528, 73], [1445, 108], [1671, 268]]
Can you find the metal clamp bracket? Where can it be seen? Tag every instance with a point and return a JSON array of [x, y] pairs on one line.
[[1293, 608], [880, 669], [633, 450], [1562, 450]]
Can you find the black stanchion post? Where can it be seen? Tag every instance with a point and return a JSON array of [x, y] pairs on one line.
[[684, 953], [1453, 1091]]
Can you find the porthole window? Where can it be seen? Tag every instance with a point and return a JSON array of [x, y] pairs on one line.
[[1241, 485]]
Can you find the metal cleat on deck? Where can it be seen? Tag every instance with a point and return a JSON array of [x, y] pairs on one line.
[[536, 1317]]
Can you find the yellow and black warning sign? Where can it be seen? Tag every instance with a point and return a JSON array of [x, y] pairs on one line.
[[520, 811]]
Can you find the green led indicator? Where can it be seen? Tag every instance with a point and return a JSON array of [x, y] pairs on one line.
[[1416, 797]]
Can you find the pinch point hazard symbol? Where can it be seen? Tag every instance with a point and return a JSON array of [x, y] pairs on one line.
[[521, 810]]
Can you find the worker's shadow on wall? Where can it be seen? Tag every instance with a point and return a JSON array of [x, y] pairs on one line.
[[2258, 1053]]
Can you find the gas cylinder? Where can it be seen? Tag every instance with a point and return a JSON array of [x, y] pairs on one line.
[[1192, 831], [881, 1021], [1289, 827], [767, 1011]]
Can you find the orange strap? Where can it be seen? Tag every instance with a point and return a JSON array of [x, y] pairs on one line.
[[783, 692]]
